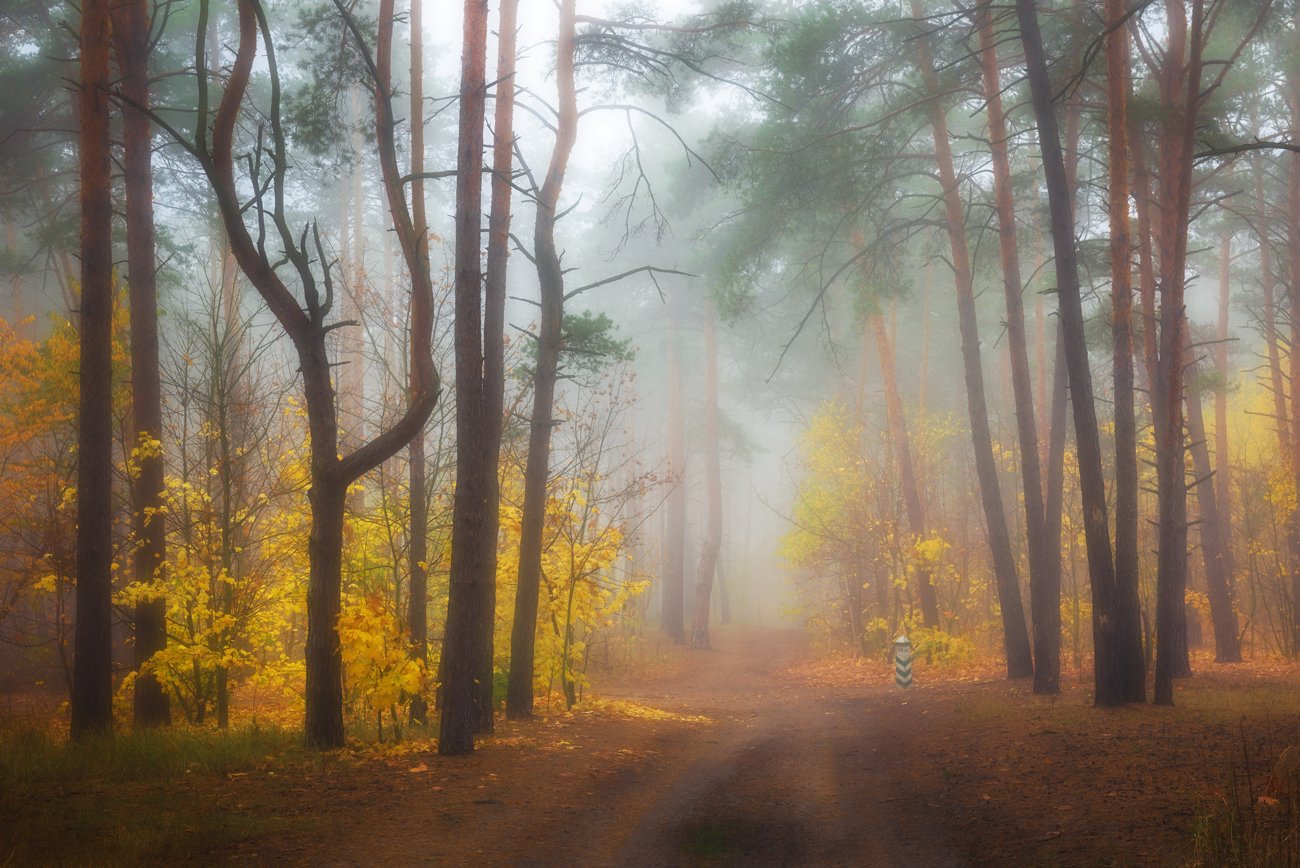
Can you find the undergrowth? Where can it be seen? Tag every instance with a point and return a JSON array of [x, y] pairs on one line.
[[31, 755], [1253, 822]]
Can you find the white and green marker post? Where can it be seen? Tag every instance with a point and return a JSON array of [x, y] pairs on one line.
[[903, 661]]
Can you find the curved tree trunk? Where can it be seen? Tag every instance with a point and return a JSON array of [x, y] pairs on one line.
[[307, 329], [1016, 636], [417, 610], [550, 277], [92, 675]]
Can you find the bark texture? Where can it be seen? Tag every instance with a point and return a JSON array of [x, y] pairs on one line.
[[308, 326], [672, 608], [464, 711], [1180, 87], [417, 610], [896, 424], [92, 676], [131, 45], [1214, 540], [1015, 634], [713, 486], [1107, 676], [1128, 614], [550, 275], [1045, 680]]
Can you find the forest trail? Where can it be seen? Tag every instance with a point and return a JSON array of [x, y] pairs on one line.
[[747, 767], [795, 776], [760, 753]]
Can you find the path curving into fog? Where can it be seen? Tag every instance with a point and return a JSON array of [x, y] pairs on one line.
[[791, 775]]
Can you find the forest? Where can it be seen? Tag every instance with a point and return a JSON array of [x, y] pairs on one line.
[[703, 432]]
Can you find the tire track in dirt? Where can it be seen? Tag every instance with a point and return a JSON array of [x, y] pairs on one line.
[[791, 776]]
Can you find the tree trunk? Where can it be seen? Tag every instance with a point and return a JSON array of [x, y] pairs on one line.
[[324, 719], [494, 311], [307, 328], [417, 610], [1222, 461], [1045, 601], [1268, 277], [1293, 248], [724, 590], [1016, 636], [550, 276], [1127, 606], [713, 473], [463, 691], [672, 609], [1021, 382], [131, 44], [92, 677], [1214, 539], [1179, 88], [896, 424], [1108, 675]]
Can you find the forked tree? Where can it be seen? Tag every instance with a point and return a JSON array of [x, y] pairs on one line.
[[307, 321]]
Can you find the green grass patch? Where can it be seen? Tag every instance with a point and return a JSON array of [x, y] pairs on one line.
[[140, 798], [708, 840], [32, 757]]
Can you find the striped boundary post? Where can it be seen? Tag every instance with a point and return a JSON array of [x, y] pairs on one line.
[[903, 661]]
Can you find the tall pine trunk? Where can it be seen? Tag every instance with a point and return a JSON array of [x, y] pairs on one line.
[[1222, 461], [494, 300], [672, 608], [1022, 385], [92, 676], [1293, 292], [1015, 634], [1214, 539], [896, 424], [131, 45], [1180, 87], [713, 485], [1127, 606], [1108, 676], [463, 711], [1268, 277]]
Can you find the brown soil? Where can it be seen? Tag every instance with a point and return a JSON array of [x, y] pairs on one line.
[[759, 754]]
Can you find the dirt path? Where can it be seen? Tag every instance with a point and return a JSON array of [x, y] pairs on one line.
[[747, 768], [744, 756], [756, 753], [723, 761], [793, 776]]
